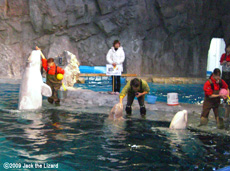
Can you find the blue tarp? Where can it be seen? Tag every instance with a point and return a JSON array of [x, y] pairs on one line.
[[93, 69]]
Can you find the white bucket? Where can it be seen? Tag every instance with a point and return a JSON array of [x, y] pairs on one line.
[[172, 99]]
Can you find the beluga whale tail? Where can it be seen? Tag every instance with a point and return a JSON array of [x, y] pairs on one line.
[[32, 87]]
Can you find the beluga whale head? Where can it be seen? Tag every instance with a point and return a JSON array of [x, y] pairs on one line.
[[180, 120], [35, 58]]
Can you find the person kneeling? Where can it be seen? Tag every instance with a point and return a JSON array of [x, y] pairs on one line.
[[135, 88], [212, 97], [51, 77]]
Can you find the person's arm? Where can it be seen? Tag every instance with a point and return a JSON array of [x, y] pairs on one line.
[[121, 99], [146, 89], [108, 57], [44, 60], [208, 90], [215, 95], [42, 55], [122, 57], [44, 64], [60, 70], [225, 86], [141, 94], [222, 60], [124, 92]]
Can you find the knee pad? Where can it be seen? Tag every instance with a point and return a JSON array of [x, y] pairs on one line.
[[142, 110], [128, 110]]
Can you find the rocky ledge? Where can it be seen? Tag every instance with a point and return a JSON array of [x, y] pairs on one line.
[[102, 99]]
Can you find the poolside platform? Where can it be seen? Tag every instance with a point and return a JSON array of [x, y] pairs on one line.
[[92, 98]]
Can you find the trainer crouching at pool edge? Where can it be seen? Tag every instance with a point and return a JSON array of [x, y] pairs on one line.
[[212, 97], [135, 88], [51, 77]]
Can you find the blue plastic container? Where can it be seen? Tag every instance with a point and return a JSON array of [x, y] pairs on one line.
[[151, 99], [123, 80]]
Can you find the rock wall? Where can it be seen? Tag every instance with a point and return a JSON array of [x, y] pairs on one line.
[[70, 64], [160, 37]]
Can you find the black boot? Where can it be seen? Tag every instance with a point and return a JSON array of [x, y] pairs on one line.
[[128, 110], [142, 110], [220, 123], [57, 103], [50, 100]]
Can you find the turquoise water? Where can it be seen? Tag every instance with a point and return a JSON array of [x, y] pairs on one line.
[[86, 141], [187, 93]]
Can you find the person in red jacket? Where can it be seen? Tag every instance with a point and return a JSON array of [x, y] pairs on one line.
[[212, 97], [225, 62], [51, 77]]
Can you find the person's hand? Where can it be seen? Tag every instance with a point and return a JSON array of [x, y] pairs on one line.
[[138, 95], [121, 99], [37, 48], [114, 64], [223, 96], [224, 62]]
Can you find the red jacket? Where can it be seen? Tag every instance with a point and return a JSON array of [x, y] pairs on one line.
[[52, 69], [208, 89], [222, 59]]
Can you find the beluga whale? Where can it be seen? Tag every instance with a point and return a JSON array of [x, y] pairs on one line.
[[180, 120], [116, 112], [32, 87]]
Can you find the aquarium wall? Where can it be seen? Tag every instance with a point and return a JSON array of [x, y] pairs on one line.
[[160, 37]]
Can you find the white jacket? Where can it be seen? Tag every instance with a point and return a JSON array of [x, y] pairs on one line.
[[115, 56]]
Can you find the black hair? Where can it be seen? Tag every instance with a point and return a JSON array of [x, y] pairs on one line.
[[135, 82], [216, 72], [115, 42]]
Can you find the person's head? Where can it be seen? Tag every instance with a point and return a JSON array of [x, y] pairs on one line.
[[116, 44], [216, 74], [227, 49], [135, 83], [50, 62]]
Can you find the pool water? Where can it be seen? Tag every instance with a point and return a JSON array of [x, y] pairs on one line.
[[89, 141], [187, 93], [9, 96]]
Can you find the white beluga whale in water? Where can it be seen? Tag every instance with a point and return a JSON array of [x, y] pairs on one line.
[[117, 112], [32, 87], [180, 120]]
